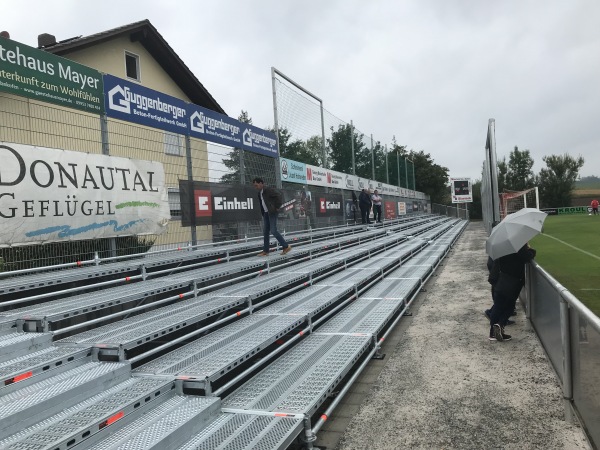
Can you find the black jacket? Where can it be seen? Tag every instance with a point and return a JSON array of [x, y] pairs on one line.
[[273, 199], [364, 200]]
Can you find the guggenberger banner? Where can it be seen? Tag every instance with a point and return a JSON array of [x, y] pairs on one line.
[[134, 103], [33, 73], [59, 195]]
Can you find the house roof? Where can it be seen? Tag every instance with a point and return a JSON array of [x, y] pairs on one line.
[[145, 33]]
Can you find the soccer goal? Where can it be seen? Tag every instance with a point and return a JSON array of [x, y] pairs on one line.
[[512, 201]]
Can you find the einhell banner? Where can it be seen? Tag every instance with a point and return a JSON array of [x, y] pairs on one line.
[[217, 203], [33, 73], [58, 195], [329, 205]]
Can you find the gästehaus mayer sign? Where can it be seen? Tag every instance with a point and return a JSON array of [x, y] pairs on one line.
[[58, 195], [33, 73]]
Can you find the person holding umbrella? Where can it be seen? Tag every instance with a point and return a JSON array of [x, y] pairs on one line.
[[508, 246]]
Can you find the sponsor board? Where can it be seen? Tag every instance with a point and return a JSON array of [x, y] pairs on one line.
[[462, 190], [351, 182], [49, 195], [215, 203], [329, 205], [390, 210], [292, 171], [33, 73], [573, 210], [401, 208], [134, 103], [316, 175]]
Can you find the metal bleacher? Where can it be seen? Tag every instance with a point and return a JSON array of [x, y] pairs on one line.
[[245, 359]]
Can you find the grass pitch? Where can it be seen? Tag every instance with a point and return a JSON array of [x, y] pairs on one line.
[[569, 249]]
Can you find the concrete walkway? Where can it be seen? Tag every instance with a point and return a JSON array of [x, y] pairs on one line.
[[443, 385]]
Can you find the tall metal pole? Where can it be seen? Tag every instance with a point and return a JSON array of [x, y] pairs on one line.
[[387, 172], [323, 136], [276, 126], [398, 164], [406, 171], [372, 160], [352, 147], [414, 179]]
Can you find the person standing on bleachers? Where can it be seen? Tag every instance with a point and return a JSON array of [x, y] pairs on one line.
[[365, 203], [270, 200], [376, 198]]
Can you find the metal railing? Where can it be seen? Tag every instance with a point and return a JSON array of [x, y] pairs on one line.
[[570, 335]]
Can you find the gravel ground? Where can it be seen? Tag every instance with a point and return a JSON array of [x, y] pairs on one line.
[[446, 386]]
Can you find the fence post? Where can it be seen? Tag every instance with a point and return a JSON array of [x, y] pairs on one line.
[[387, 171], [565, 334], [106, 151], [372, 160], [190, 177], [242, 167], [352, 147]]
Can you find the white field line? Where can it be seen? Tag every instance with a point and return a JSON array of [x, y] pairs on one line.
[[572, 246]]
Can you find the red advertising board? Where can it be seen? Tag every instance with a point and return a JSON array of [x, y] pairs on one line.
[[390, 210]]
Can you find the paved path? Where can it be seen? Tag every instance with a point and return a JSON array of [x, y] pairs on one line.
[[443, 385]]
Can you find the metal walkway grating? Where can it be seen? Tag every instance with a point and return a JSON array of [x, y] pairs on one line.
[[244, 432], [301, 379], [213, 356], [13, 345], [28, 368], [100, 414], [309, 301], [166, 426], [40, 400]]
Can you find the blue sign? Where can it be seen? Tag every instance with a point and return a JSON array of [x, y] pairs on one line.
[[134, 103], [214, 127], [292, 171]]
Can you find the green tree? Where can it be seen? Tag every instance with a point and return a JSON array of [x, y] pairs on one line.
[[557, 180], [340, 151], [502, 170], [430, 178], [519, 175], [309, 152]]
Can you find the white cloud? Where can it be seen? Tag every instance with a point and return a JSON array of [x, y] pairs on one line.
[[430, 72]]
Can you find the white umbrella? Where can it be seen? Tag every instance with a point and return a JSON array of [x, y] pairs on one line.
[[514, 232]]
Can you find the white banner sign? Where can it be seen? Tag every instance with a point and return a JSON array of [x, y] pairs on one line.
[[59, 195], [401, 208], [316, 176]]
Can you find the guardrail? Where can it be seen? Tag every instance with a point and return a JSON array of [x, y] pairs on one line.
[[570, 335]]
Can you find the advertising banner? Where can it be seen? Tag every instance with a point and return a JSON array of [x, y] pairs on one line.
[[336, 179], [329, 205], [296, 205], [134, 103], [401, 208], [316, 176], [573, 210], [217, 203], [351, 182], [40, 75], [390, 210], [58, 195], [221, 129], [461, 190], [292, 171]]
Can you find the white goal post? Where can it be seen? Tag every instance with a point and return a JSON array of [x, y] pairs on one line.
[[513, 201]]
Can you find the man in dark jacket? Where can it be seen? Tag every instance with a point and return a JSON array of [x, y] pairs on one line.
[[365, 203], [270, 200], [510, 270]]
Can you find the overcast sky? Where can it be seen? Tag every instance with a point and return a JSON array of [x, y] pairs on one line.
[[430, 72]]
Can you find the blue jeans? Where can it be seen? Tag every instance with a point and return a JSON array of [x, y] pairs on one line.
[[270, 227]]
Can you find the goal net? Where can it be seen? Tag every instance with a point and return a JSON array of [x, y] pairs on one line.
[[512, 201]]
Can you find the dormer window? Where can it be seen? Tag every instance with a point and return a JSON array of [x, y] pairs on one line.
[[132, 66]]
